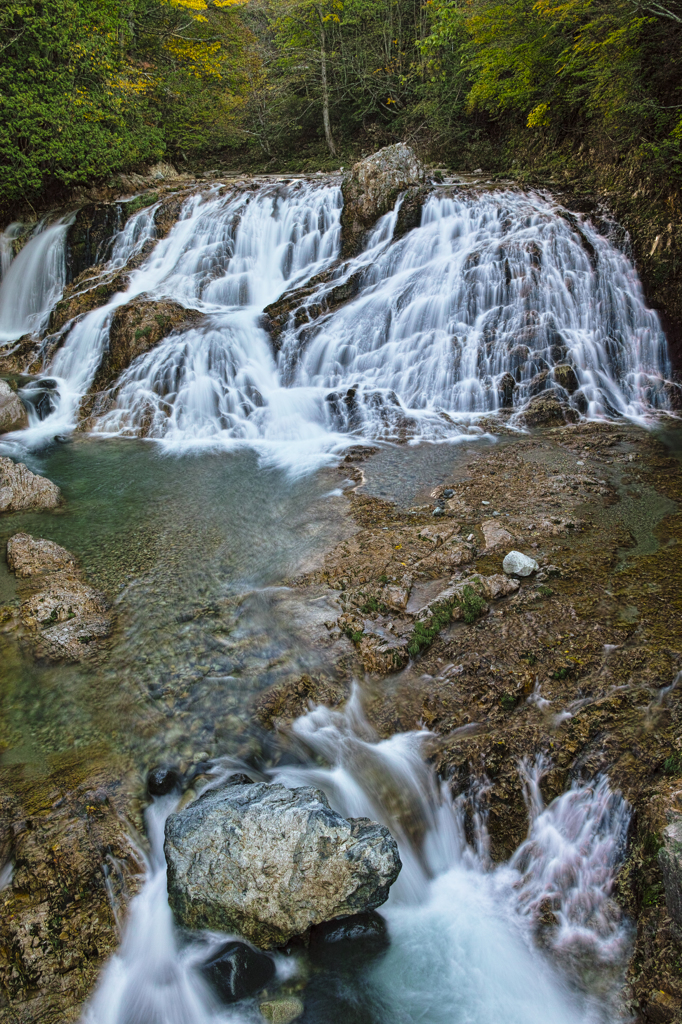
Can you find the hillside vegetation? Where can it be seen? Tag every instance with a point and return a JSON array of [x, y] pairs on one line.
[[93, 87]]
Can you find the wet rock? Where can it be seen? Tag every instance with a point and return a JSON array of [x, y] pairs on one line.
[[75, 869], [397, 596], [236, 971], [21, 490], [497, 586], [90, 290], [505, 390], [447, 558], [33, 556], [292, 309], [539, 383], [566, 377], [23, 357], [670, 862], [495, 535], [162, 780], [371, 189], [410, 212], [350, 941], [547, 410], [60, 616], [282, 1010], [13, 415], [268, 862], [437, 535], [137, 328], [43, 395], [517, 564], [89, 237], [381, 652]]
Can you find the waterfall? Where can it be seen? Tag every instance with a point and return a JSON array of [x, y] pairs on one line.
[[465, 935], [491, 299], [32, 283]]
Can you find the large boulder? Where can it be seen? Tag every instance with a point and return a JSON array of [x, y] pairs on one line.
[[61, 617], [372, 187], [13, 415], [268, 862], [21, 490]]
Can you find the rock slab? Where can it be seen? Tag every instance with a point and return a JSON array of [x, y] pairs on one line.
[[60, 616], [21, 490], [269, 862], [13, 416]]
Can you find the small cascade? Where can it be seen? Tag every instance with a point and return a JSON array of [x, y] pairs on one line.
[[470, 942], [32, 283]]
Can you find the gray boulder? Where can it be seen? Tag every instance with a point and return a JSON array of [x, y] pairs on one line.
[[13, 415], [268, 862], [518, 564], [670, 863], [372, 187], [20, 489]]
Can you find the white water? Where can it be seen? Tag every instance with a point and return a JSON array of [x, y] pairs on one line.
[[31, 284], [488, 285], [464, 934]]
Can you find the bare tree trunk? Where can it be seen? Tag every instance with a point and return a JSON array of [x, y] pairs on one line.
[[325, 92]]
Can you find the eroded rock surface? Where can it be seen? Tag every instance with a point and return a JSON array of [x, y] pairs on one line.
[[13, 415], [60, 617], [21, 490], [269, 862], [73, 871], [372, 187]]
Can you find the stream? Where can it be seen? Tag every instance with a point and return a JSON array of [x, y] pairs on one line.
[[213, 477]]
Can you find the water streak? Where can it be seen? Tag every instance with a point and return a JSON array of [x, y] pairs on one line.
[[33, 282]]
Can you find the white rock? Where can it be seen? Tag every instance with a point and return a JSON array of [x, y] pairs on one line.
[[518, 564]]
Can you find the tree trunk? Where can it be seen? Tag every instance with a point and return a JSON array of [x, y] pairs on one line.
[[325, 93]]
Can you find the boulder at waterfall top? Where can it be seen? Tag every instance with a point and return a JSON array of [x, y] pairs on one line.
[[372, 187], [21, 490], [60, 617], [13, 415], [269, 862]]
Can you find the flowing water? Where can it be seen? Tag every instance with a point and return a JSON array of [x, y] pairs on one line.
[[463, 935], [460, 316], [192, 536]]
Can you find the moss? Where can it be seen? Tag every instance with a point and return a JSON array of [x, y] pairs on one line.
[[672, 765], [472, 605], [140, 203], [142, 332], [508, 701]]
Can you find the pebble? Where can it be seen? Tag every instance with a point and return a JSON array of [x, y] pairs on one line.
[[283, 1010], [485, 503], [448, 493], [438, 511], [517, 564]]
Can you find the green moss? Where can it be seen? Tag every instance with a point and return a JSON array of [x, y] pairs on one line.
[[141, 203], [508, 701], [142, 332], [472, 605], [672, 765]]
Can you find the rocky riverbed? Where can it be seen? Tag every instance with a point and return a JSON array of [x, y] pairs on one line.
[[578, 661]]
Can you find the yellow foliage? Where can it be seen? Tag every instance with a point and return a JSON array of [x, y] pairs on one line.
[[539, 116]]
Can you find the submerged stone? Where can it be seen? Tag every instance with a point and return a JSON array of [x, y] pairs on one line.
[[21, 490], [162, 780], [237, 971]]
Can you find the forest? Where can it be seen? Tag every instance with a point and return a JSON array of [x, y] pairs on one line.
[[89, 88]]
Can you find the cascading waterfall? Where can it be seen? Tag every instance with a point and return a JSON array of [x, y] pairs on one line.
[[471, 311], [33, 282], [465, 942]]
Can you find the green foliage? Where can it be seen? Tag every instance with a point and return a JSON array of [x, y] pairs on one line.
[[508, 701], [673, 765], [472, 604]]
